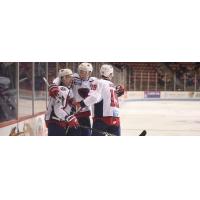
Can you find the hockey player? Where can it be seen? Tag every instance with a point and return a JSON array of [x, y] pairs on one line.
[[81, 87], [59, 120], [104, 98]]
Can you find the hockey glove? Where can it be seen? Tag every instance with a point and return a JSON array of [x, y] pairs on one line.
[[119, 90], [72, 121], [53, 90]]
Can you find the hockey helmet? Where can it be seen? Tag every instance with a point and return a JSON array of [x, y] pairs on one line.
[[107, 70], [87, 67], [65, 72]]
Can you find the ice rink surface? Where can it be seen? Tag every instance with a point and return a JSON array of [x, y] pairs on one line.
[[160, 118]]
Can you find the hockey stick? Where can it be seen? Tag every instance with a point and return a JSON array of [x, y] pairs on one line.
[[144, 133], [45, 80], [66, 131], [98, 131]]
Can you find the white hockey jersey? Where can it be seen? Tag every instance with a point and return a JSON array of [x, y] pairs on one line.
[[78, 85], [59, 107], [104, 98]]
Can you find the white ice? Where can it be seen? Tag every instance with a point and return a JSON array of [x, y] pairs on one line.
[[161, 118]]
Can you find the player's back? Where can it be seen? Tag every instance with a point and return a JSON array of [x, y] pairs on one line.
[[108, 104]]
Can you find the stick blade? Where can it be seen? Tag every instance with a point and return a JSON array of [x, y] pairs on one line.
[[144, 133]]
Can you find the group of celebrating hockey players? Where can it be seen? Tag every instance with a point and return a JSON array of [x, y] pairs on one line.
[[71, 97]]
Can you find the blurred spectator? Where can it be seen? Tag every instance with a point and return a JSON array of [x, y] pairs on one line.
[[7, 92]]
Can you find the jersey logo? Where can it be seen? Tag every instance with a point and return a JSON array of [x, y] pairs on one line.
[[83, 92]]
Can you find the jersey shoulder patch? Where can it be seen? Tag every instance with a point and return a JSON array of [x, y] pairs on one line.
[[91, 79]]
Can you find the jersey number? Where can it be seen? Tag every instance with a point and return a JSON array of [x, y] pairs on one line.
[[93, 87], [114, 99]]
